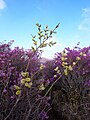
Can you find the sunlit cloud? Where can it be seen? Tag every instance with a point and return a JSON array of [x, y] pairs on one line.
[[49, 52], [2, 4], [85, 24]]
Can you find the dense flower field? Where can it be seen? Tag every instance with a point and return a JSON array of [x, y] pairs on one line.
[[58, 89]]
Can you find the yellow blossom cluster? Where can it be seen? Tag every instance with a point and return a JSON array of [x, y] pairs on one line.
[[42, 67], [83, 54], [67, 67], [18, 89], [41, 87], [57, 70], [26, 80], [78, 58]]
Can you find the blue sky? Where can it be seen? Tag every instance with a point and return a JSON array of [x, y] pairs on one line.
[[18, 19]]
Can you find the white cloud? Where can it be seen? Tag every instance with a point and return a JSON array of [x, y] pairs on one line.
[[49, 52], [2, 4], [85, 24]]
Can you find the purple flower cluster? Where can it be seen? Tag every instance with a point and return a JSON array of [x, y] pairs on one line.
[[12, 63], [71, 70], [81, 58], [61, 85]]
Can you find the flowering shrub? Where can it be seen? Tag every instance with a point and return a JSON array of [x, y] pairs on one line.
[[12, 63], [71, 91], [56, 89], [22, 80]]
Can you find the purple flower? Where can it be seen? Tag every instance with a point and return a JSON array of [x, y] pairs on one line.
[[4, 90], [2, 74], [87, 83], [43, 115]]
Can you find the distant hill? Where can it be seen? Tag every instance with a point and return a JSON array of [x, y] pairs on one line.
[[43, 60]]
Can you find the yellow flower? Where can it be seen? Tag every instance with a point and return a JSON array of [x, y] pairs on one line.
[[81, 53], [64, 64], [25, 74], [35, 43], [41, 67], [23, 81], [18, 92], [17, 87], [63, 58], [28, 85], [70, 68], [55, 76], [56, 69], [74, 63], [27, 79], [66, 67], [39, 33], [64, 53], [41, 87], [78, 58], [66, 71]]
